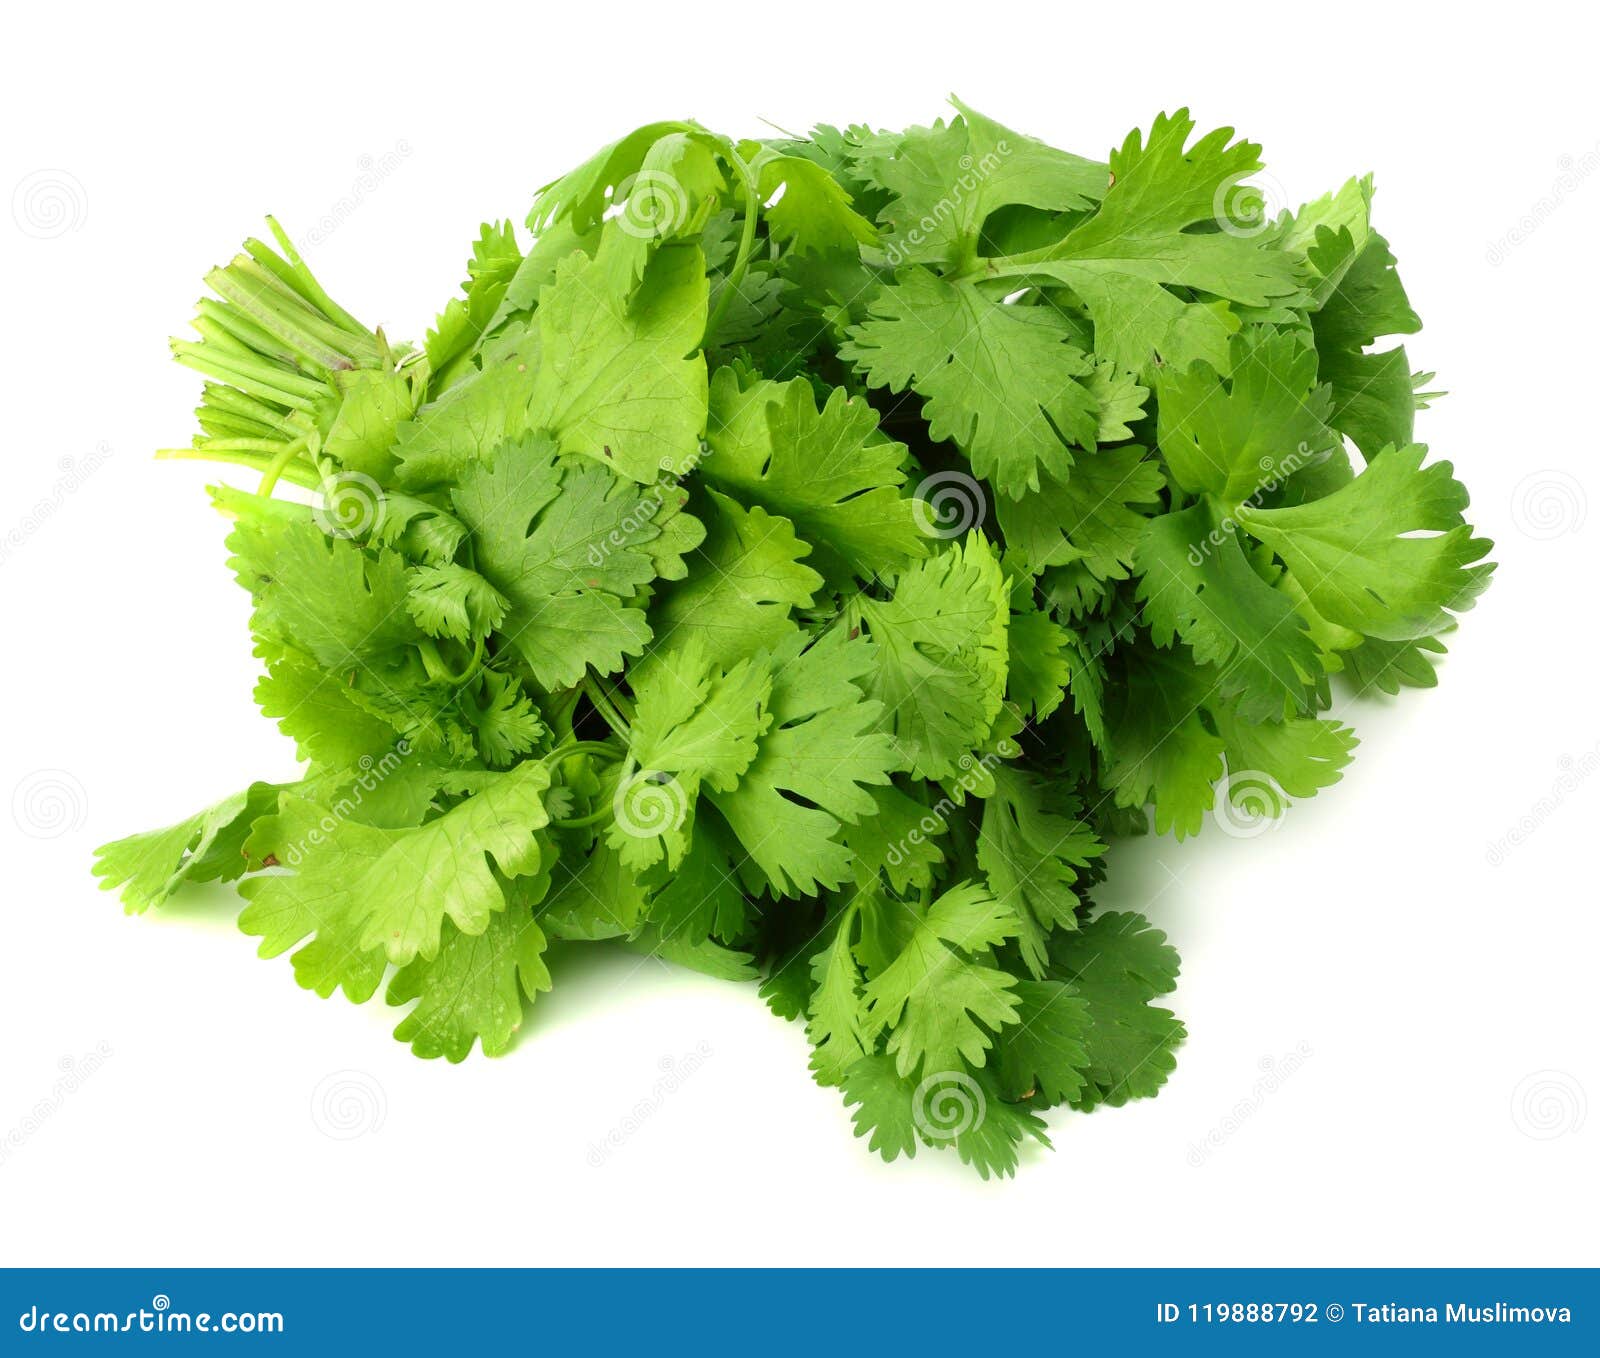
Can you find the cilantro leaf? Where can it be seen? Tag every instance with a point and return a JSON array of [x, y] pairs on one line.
[[368, 893], [934, 996], [1116, 964], [473, 989], [1001, 381], [629, 611], [1358, 556], [565, 543], [939, 655], [751, 575], [814, 767], [829, 471]]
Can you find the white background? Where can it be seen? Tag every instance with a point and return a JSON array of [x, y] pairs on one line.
[[1436, 1010]]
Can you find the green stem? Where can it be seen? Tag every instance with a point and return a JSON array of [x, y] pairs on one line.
[[747, 241], [440, 672], [573, 747], [298, 475], [278, 466], [604, 705]]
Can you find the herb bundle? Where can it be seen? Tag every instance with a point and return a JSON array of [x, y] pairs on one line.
[[797, 559]]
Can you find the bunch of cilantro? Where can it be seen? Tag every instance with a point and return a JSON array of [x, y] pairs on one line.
[[798, 563]]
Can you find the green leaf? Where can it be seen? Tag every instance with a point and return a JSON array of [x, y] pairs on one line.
[[948, 180], [619, 378], [208, 846], [448, 600], [835, 1025], [1032, 854], [473, 989], [370, 893], [1043, 1056], [1389, 555], [939, 655], [1094, 516], [1001, 381], [809, 210], [933, 997], [474, 416], [1159, 750], [696, 724], [565, 543], [494, 263], [1116, 964], [1230, 438], [751, 575], [1124, 257], [814, 769], [829, 472], [1197, 583]]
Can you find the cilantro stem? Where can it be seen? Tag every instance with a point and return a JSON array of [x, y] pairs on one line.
[[605, 706], [278, 465], [304, 476], [747, 241], [573, 747], [438, 670]]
